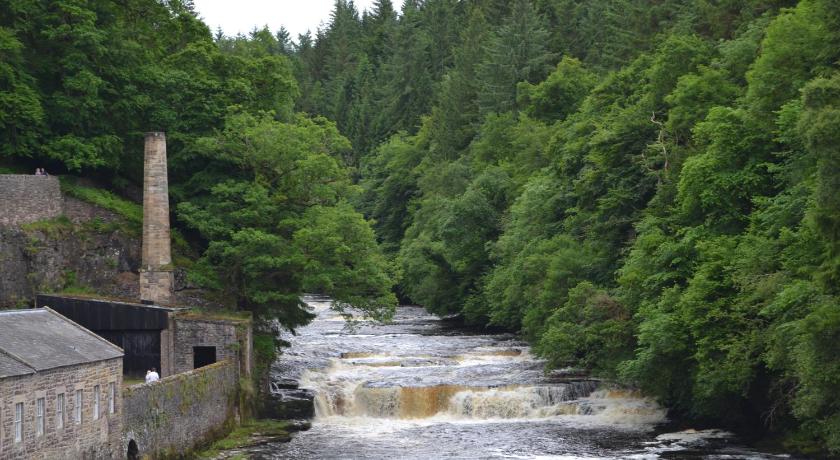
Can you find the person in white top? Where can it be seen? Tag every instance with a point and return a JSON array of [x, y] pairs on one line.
[[152, 376]]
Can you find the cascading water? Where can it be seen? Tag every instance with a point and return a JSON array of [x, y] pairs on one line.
[[416, 389]]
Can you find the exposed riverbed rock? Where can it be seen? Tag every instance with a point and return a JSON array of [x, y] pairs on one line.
[[288, 404]]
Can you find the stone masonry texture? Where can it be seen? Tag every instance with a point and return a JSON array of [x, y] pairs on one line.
[[178, 413], [156, 279], [90, 439], [28, 198], [34, 260], [231, 339]]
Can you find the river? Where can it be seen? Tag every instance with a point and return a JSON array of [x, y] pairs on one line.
[[419, 389]]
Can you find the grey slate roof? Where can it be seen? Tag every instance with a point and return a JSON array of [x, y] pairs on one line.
[[10, 366], [40, 339]]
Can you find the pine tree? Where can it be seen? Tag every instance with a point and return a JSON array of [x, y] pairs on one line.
[[517, 52], [379, 25], [284, 41], [340, 59], [441, 20], [455, 116], [408, 84]]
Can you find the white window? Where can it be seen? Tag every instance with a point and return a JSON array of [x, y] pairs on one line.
[[78, 407], [19, 422], [59, 411], [96, 402], [112, 396], [39, 417]]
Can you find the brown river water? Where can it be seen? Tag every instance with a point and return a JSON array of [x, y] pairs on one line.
[[419, 389]]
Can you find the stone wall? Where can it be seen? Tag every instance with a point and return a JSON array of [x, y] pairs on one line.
[[90, 439], [178, 413], [232, 340], [28, 198], [37, 260]]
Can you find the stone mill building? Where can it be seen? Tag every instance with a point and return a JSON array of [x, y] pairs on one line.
[[60, 389], [70, 370]]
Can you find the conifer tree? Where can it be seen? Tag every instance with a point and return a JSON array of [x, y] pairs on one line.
[[455, 117], [379, 25], [515, 53], [407, 82]]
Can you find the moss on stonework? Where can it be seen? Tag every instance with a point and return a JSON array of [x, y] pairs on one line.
[[50, 228], [215, 314], [71, 284], [193, 390]]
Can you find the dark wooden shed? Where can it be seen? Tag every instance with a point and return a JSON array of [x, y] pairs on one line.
[[136, 328]]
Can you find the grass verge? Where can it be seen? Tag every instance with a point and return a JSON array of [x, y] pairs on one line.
[[129, 210], [215, 314], [251, 432]]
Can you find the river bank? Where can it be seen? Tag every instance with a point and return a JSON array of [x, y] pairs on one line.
[[250, 434]]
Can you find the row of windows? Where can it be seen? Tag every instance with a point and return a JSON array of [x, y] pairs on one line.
[[60, 410]]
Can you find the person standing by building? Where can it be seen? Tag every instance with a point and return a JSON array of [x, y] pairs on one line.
[[152, 375]]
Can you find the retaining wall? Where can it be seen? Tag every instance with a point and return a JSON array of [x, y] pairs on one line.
[[29, 198], [169, 417]]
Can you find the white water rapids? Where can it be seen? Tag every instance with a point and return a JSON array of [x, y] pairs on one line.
[[418, 389]]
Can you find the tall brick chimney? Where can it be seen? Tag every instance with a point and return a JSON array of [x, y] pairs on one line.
[[156, 277]]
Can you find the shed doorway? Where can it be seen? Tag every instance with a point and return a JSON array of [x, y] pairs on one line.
[[203, 356]]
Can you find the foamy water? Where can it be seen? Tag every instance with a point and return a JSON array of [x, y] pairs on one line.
[[417, 389]]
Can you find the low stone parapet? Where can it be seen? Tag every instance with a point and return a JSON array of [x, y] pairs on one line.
[[29, 198], [176, 414]]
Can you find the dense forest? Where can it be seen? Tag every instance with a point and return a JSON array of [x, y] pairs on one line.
[[643, 188]]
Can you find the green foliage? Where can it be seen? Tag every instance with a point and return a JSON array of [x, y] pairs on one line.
[[671, 222], [279, 225], [694, 96], [265, 352], [444, 253], [647, 189], [717, 186], [524, 291], [455, 115], [71, 284], [591, 330], [390, 183], [21, 113], [818, 128], [515, 53], [796, 47], [560, 94]]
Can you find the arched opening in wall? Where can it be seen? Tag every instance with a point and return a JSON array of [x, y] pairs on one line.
[[133, 452]]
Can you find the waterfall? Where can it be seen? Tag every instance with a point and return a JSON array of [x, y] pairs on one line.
[[349, 398], [418, 388]]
